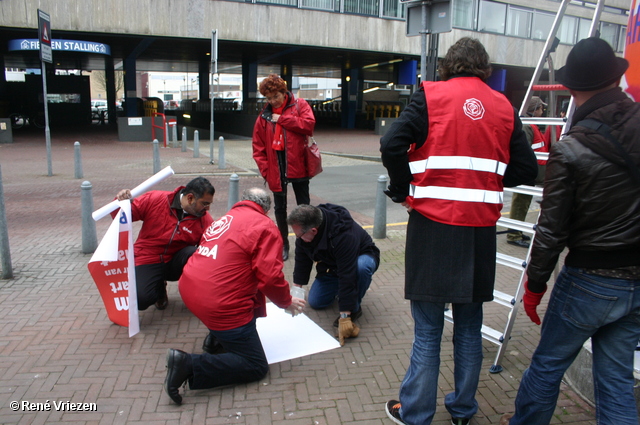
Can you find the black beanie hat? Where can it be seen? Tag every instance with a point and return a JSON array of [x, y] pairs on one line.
[[591, 65]]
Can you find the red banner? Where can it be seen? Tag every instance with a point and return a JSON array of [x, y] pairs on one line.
[[112, 268]]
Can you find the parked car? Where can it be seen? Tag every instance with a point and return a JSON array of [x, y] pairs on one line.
[[98, 105]]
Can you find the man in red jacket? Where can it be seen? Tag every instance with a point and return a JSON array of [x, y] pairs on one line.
[[173, 223], [238, 263]]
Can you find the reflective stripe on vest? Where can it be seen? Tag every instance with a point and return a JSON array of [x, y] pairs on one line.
[[457, 163], [456, 194], [537, 145]]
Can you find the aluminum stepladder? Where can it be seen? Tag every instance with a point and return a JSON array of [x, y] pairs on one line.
[[512, 302]]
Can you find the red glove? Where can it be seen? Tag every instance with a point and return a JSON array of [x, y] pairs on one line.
[[531, 300]]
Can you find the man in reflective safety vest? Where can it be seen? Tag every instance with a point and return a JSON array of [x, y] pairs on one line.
[[519, 201], [449, 155]]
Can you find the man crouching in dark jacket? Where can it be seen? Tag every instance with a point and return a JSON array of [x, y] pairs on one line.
[[347, 259]]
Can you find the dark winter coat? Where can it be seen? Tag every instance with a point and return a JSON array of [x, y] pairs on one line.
[[336, 248]]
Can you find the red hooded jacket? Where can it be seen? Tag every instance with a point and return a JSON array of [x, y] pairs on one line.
[[297, 123], [238, 262]]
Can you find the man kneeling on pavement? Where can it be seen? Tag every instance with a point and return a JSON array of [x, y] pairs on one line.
[[224, 284], [346, 260]]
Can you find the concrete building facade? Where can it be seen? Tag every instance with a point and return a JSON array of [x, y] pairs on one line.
[[362, 42]]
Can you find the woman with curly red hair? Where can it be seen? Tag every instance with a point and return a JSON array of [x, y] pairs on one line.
[[279, 139]]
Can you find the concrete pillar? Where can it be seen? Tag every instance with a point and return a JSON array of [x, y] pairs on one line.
[[203, 77], [110, 76], [89, 235], [249, 80], [131, 103], [350, 95], [5, 252], [196, 144], [380, 215], [233, 190], [156, 156], [222, 164], [77, 161]]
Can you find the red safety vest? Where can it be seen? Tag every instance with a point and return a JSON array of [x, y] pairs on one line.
[[457, 173], [540, 143]]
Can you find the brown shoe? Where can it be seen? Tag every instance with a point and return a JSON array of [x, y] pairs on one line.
[[504, 420], [163, 301]]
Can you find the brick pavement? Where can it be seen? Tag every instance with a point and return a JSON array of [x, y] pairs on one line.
[[57, 344]]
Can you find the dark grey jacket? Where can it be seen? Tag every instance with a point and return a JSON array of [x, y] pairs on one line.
[[591, 203], [336, 248]]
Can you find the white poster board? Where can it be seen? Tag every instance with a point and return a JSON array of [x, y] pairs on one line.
[[284, 337]]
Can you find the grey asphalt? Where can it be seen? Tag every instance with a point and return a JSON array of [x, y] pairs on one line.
[[57, 344]]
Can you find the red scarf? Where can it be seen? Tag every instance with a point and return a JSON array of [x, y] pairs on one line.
[[278, 137]]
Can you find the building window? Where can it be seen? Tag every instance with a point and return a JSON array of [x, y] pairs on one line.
[[568, 29], [583, 29], [622, 39], [361, 7], [519, 22], [392, 9], [542, 23], [318, 4], [492, 17], [464, 14], [281, 2], [609, 33]]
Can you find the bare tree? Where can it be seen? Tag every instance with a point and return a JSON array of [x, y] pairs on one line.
[[100, 77]]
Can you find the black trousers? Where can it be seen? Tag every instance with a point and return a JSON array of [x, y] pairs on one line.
[[301, 190], [151, 278]]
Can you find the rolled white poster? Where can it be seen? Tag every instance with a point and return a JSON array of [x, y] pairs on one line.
[[136, 191]]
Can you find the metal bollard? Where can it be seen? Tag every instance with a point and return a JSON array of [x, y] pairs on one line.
[[89, 236], [184, 139], [5, 254], [380, 215], [196, 144], [174, 136], [156, 156], [221, 161], [77, 160], [211, 159], [233, 190], [166, 134]]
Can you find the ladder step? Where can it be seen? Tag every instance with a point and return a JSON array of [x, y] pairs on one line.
[[526, 190], [503, 298], [543, 120], [488, 333], [509, 261], [523, 226]]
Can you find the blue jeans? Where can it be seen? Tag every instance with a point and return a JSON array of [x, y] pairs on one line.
[[584, 306], [419, 389], [244, 360], [325, 287]]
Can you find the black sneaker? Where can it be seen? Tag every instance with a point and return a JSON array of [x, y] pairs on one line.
[[519, 242], [354, 316], [459, 421], [393, 411]]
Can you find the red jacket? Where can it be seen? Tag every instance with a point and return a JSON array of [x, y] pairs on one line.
[[238, 262], [457, 172], [297, 123], [162, 234]]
